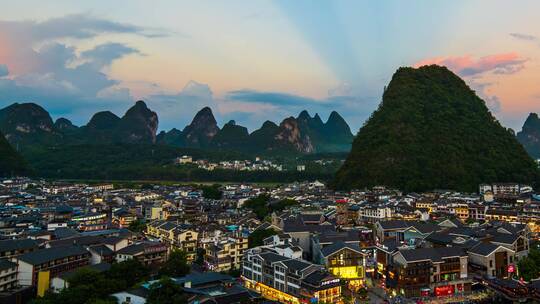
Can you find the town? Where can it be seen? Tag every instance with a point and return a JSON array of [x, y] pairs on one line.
[[258, 164], [248, 243]]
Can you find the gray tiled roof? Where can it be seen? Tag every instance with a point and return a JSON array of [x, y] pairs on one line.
[[484, 249], [46, 255], [337, 246], [10, 245], [434, 254]]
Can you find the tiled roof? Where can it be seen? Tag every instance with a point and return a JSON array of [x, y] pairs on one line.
[[50, 254]]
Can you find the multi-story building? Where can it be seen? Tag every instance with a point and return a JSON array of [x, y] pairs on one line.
[[13, 248], [497, 214], [176, 236], [225, 254], [429, 271], [123, 218], [375, 213], [8, 275], [156, 212], [491, 260], [52, 261], [148, 253], [505, 189], [286, 280], [345, 261]]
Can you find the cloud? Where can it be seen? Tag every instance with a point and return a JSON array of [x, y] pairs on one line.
[[3, 70], [79, 26], [176, 110], [104, 54], [526, 37], [508, 63], [60, 77], [275, 98]]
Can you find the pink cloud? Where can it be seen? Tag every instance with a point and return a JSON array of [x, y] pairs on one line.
[[508, 63]]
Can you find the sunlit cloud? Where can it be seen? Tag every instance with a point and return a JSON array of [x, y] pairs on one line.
[[508, 63]]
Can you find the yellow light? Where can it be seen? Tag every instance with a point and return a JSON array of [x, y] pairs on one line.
[[347, 272]]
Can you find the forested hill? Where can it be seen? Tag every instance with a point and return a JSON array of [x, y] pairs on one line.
[[432, 131], [11, 163]]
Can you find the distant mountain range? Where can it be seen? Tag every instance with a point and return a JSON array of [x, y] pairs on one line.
[[529, 136], [431, 131], [28, 124]]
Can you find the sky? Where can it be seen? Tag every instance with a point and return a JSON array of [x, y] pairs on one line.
[[260, 60]]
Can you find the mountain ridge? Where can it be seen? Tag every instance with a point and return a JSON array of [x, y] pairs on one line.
[[30, 124], [432, 131]]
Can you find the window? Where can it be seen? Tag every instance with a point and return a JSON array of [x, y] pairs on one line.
[[490, 263]]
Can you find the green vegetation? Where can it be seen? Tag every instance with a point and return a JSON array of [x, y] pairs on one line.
[[176, 265], [432, 131], [529, 267], [256, 238], [262, 206], [88, 286], [149, 162], [166, 292], [212, 192], [11, 163], [137, 226]]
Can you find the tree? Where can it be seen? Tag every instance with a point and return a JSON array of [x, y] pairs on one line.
[[176, 265], [201, 252], [256, 237], [212, 192], [130, 272], [262, 206], [529, 267], [86, 286], [166, 292], [137, 226]]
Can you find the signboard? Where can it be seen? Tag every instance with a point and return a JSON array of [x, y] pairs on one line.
[[511, 268]]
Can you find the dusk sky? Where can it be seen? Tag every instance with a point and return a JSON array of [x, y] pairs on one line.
[[258, 60]]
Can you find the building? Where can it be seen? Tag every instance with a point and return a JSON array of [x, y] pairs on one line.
[[286, 280], [501, 189], [345, 261], [52, 261], [13, 248], [497, 214], [155, 212], [176, 236], [8, 275], [185, 159], [148, 253], [226, 254], [491, 260], [429, 271]]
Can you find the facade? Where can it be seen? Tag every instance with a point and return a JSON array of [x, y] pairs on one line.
[[226, 254], [8, 275], [286, 280], [501, 215], [491, 260], [429, 271], [346, 262], [176, 236], [55, 261], [148, 253]]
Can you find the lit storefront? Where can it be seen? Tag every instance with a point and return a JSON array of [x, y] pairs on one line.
[[270, 293]]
